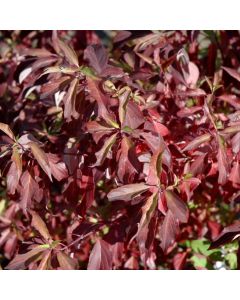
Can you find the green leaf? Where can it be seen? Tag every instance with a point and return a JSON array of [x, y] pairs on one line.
[[231, 259], [199, 261], [201, 247], [88, 72], [127, 129], [44, 246]]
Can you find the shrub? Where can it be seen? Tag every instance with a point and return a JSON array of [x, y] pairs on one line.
[[119, 150]]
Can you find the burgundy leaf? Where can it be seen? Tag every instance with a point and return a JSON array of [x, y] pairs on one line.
[[127, 192], [52, 87], [147, 212], [38, 52], [41, 158], [197, 142], [44, 263], [133, 117], [228, 234], [21, 261], [155, 168], [168, 231], [27, 190], [103, 152], [58, 168], [70, 101], [67, 51], [121, 35], [223, 165], [177, 206], [232, 73], [123, 101], [102, 101], [40, 226], [65, 262], [128, 164], [13, 177], [97, 57], [179, 260], [100, 257], [234, 175]]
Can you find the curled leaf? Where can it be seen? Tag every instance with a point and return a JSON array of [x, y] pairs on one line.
[[7, 130], [68, 52], [232, 73], [103, 152], [228, 234], [123, 101]]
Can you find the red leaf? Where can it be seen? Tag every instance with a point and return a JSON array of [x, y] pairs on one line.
[[98, 129], [66, 262], [45, 260], [199, 165], [160, 128], [223, 163], [155, 168], [147, 212], [21, 261], [234, 175], [127, 163], [39, 52], [236, 143], [52, 87], [232, 73], [68, 52], [40, 226], [186, 112], [177, 206], [41, 158], [228, 234], [103, 152], [168, 231], [27, 190], [102, 101], [133, 117], [100, 257], [123, 101], [127, 192], [179, 260], [189, 185], [121, 35], [58, 168], [12, 178], [70, 101], [214, 228], [197, 142], [97, 57], [88, 191]]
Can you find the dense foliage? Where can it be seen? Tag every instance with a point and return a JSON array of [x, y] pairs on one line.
[[119, 150]]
